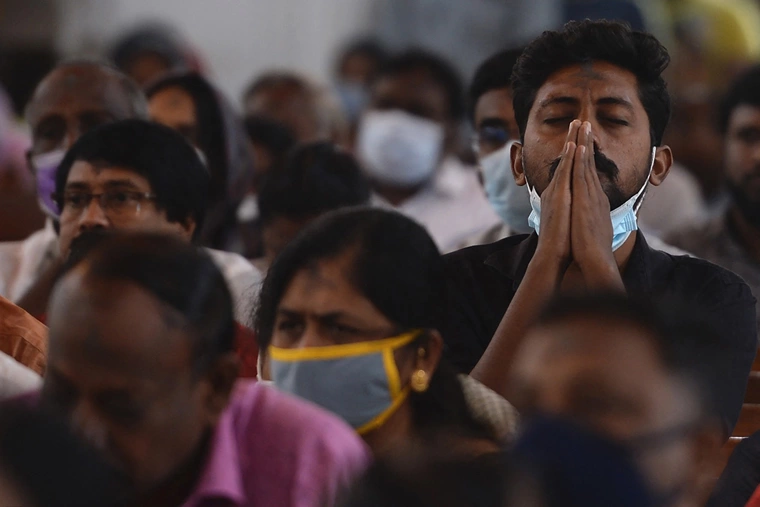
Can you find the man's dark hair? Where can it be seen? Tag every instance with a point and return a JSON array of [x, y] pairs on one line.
[[493, 74], [397, 267], [367, 47], [437, 68], [581, 42], [274, 136], [277, 79], [745, 90], [686, 343], [182, 276], [162, 156], [317, 178]]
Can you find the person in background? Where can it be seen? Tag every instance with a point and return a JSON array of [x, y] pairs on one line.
[[493, 119], [189, 104], [406, 143], [43, 464], [73, 98], [149, 51], [142, 365], [591, 105], [316, 178], [355, 69], [649, 388], [270, 142], [308, 110], [351, 309], [20, 215], [138, 175], [732, 239]]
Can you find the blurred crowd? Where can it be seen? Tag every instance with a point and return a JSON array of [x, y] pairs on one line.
[[534, 285]]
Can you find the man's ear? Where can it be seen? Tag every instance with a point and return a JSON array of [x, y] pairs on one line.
[[515, 154], [220, 379], [663, 161], [187, 228]]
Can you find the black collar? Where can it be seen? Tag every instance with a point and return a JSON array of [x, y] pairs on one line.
[[513, 263]]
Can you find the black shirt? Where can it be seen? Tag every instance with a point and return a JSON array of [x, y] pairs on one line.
[[741, 476], [483, 280]]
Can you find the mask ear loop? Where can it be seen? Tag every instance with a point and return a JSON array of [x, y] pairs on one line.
[[643, 190]]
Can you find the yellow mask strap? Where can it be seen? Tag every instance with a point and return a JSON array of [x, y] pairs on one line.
[[387, 413], [342, 351]]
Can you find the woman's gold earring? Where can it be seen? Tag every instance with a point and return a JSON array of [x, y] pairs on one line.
[[420, 381]]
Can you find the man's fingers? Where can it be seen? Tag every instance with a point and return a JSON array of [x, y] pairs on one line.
[[564, 172]]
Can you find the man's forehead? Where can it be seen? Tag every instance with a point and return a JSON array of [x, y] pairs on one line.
[[85, 87], [595, 80], [103, 172], [115, 321]]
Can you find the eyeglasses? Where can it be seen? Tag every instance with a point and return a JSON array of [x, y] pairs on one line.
[[115, 203], [491, 136]]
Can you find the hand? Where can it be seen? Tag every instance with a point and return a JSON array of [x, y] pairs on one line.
[[554, 241], [591, 228]]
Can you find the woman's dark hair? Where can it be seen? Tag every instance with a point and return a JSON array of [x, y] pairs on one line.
[[398, 268], [222, 139], [317, 178], [581, 42], [159, 154]]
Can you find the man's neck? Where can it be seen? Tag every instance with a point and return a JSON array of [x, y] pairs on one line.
[[745, 233], [178, 487]]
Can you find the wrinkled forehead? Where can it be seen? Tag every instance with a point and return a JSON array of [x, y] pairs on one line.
[[589, 83], [80, 88], [115, 325]]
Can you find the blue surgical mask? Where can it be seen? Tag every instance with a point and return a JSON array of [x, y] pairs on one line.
[[510, 201], [624, 218], [357, 381]]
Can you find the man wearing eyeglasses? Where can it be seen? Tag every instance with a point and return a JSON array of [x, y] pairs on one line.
[[140, 176], [493, 118]]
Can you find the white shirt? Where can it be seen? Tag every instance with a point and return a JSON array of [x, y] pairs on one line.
[[452, 207], [15, 378], [21, 262], [673, 206]]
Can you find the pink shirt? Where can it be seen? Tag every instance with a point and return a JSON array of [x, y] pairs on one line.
[[270, 449]]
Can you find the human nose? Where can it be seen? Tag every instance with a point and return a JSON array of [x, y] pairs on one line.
[[312, 337], [93, 216]]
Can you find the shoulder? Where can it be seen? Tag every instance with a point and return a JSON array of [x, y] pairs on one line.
[[234, 265], [281, 418], [698, 237], [713, 284], [475, 256]]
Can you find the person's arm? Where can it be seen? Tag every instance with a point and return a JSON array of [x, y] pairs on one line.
[[591, 228], [542, 278]]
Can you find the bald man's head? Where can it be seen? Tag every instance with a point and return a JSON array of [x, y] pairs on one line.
[[77, 96]]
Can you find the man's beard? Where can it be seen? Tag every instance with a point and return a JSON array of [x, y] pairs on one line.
[[748, 207], [610, 184]]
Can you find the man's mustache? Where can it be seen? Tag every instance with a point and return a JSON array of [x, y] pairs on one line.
[[604, 166]]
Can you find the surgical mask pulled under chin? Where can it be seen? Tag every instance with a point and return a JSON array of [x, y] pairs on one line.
[[624, 217], [398, 148], [45, 167], [357, 381], [510, 201]]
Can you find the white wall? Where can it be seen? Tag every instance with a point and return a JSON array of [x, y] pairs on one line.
[[237, 38]]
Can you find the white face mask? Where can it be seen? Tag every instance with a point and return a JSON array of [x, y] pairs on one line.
[[398, 148], [510, 201]]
